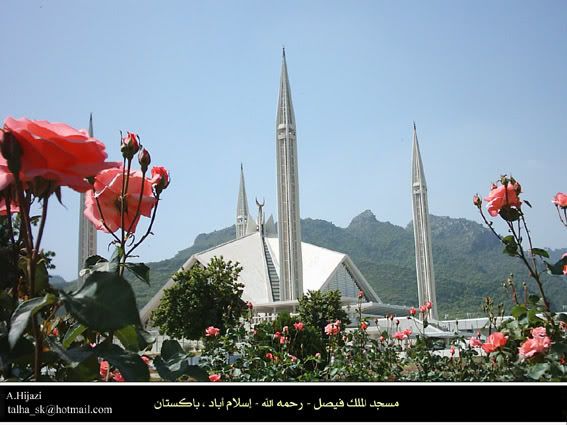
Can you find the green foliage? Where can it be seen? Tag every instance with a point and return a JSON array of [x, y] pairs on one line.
[[201, 297], [105, 302], [318, 309], [173, 364]]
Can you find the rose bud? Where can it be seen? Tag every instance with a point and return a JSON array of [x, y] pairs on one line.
[[477, 201], [160, 178], [12, 151], [130, 145], [144, 159]]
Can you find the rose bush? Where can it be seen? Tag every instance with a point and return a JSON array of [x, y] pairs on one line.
[[37, 340]]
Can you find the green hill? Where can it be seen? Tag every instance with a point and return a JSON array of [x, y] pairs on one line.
[[468, 259]]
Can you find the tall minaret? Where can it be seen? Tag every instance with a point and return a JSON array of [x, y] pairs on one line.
[[289, 226], [241, 208], [87, 230], [422, 232]]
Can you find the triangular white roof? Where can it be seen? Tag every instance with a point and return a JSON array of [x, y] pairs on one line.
[[320, 265]]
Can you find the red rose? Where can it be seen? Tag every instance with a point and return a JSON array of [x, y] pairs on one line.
[[502, 196], [363, 326], [560, 200], [412, 311], [215, 377], [55, 152], [107, 190]]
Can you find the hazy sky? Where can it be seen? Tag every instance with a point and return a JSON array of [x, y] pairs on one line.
[[484, 81]]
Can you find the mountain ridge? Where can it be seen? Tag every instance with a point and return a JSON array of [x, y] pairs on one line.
[[468, 260]]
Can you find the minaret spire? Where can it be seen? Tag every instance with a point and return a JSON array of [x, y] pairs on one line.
[[87, 231], [422, 231], [242, 213], [289, 226]]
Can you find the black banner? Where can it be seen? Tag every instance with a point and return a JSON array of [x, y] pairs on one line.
[[283, 402]]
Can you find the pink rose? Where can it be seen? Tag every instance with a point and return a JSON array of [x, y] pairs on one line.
[[428, 305], [117, 377], [475, 342], [298, 326], [283, 340], [215, 377], [333, 328], [103, 369], [422, 308], [360, 294], [494, 341], [452, 351], [54, 152], [407, 332], [501, 197], [400, 335], [540, 332], [363, 326], [412, 311], [212, 331], [107, 190], [533, 346], [560, 200], [269, 356]]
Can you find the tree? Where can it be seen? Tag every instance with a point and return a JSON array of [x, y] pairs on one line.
[[318, 309], [201, 297]]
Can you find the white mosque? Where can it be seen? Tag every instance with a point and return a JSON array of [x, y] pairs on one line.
[[277, 267]]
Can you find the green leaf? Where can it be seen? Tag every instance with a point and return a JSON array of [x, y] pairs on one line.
[[41, 277], [537, 371], [145, 339], [509, 213], [519, 311], [94, 260], [559, 347], [510, 246], [128, 337], [105, 302], [540, 252], [72, 333], [556, 268], [130, 365], [140, 270], [174, 363], [41, 274], [23, 314], [72, 357]]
